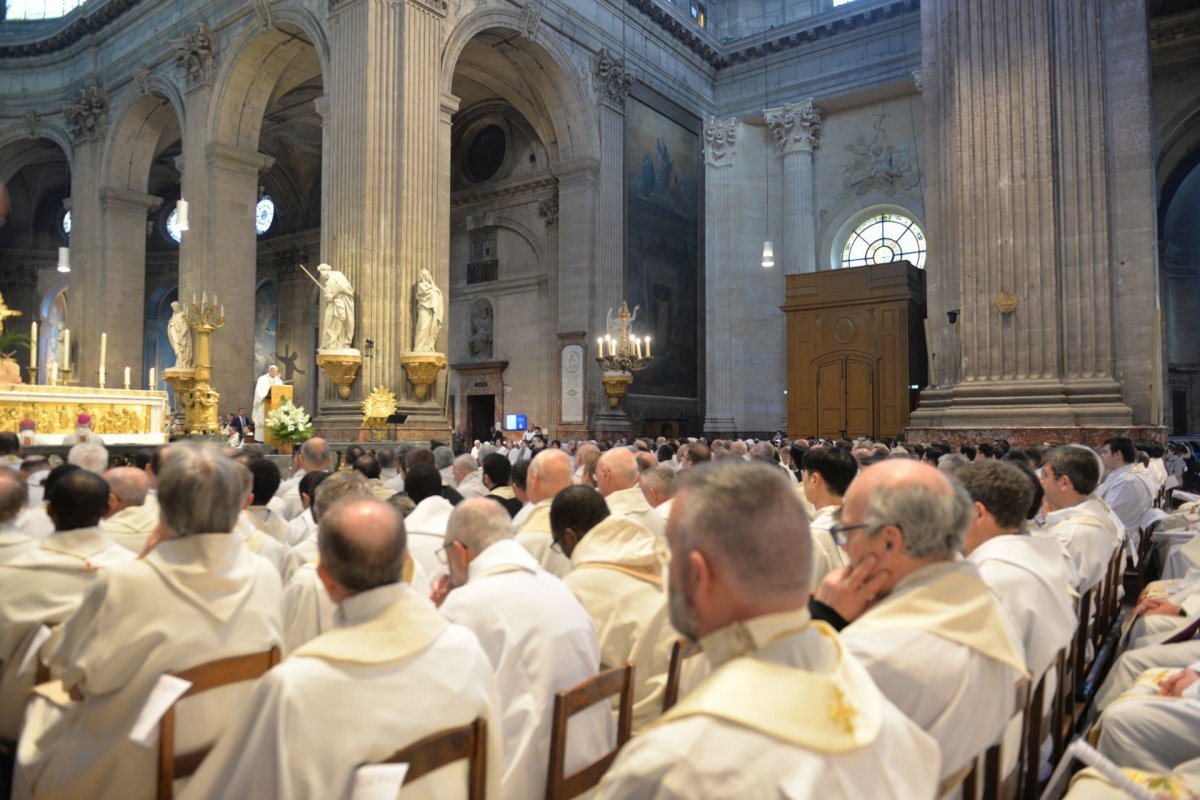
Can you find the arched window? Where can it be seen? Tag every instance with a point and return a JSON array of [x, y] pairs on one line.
[[882, 239], [40, 9]]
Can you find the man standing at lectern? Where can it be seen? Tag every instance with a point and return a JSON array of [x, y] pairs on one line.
[[261, 390]]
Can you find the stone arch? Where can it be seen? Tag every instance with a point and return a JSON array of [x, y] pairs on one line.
[[562, 94], [15, 142], [141, 123]]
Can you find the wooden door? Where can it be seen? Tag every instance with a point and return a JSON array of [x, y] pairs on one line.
[[845, 398], [860, 398], [831, 399]]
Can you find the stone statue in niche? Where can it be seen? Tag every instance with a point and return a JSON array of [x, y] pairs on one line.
[[179, 332], [337, 323], [430, 313], [481, 330]]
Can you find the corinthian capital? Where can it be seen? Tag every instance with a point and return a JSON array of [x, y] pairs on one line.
[[720, 140], [196, 55], [796, 126], [613, 81], [87, 116]]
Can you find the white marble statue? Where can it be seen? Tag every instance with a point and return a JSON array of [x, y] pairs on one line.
[[430, 312], [337, 323], [179, 332]]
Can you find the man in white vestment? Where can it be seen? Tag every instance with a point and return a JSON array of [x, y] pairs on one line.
[[827, 472], [1069, 475], [1027, 574], [261, 389], [129, 521], [83, 434], [936, 641], [580, 463], [315, 456], [14, 494], [617, 479], [537, 636], [1153, 726], [426, 524], [468, 478], [617, 574], [304, 527], [199, 595], [43, 585], [788, 712], [262, 529], [391, 672], [658, 485], [549, 474], [1126, 494]]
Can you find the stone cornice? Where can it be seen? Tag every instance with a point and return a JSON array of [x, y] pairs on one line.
[[41, 38], [508, 188]]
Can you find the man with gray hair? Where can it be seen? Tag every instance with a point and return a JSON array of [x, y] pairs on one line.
[[928, 629], [468, 478], [91, 456], [315, 456], [391, 672], [657, 485], [199, 595], [537, 636], [13, 495], [787, 711], [128, 521], [549, 474], [443, 460], [617, 479]]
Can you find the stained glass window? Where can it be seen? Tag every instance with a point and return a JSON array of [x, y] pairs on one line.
[[66, 223], [264, 214], [173, 226], [882, 239]]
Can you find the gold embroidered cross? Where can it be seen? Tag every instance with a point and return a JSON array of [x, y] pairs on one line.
[[842, 713]]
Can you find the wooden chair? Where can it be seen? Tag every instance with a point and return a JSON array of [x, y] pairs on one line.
[[681, 651], [964, 778], [1037, 723], [204, 677], [997, 786], [437, 750], [618, 680]]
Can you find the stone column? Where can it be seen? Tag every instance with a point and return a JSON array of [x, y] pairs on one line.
[[578, 182], [548, 211], [797, 131], [612, 83], [123, 295], [720, 143], [1020, 245], [298, 316]]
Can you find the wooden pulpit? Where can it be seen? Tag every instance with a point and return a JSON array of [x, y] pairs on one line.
[[278, 395]]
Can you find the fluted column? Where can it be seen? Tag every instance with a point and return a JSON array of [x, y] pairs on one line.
[[797, 131], [123, 295], [548, 211], [720, 152], [612, 84], [578, 308], [1019, 244], [87, 117]]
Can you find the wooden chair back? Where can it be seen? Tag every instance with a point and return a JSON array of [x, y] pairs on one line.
[[615, 681], [1037, 724], [203, 678], [681, 651], [964, 778], [997, 786], [445, 747]]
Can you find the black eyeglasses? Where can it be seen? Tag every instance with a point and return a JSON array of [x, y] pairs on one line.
[[838, 532], [442, 555]]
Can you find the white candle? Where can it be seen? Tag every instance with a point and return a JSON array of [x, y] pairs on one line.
[[101, 376], [222, 311], [64, 259], [103, 348], [204, 298], [53, 373], [647, 347], [127, 377], [152, 381], [216, 302], [637, 347], [33, 340], [600, 345], [66, 359]]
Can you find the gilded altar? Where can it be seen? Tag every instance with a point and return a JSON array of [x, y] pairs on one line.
[[119, 416]]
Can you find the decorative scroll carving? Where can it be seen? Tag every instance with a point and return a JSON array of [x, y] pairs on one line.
[[196, 55], [613, 81], [720, 139], [878, 165], [86, 118], [796, 126], [141, 77], [33, 122], [531, 17]]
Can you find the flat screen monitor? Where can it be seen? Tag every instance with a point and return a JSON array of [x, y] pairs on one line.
[[515, 422]]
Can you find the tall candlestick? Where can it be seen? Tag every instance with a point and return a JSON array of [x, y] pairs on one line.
[[66, 359], [103, 348], [33, 341], [127, 378]]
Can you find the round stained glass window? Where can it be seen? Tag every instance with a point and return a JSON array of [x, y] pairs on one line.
[[66, 223], [173, 226], [264, 214], [884, 238], [485, 153]]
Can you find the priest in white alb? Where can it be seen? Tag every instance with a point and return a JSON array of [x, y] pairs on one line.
[[198, 596], [617, 479], [129, 520], [391, 672], [537, 636], [788, 711], [261, 390], [1069, 476], [936, 642], [827, 472], [549, 474]]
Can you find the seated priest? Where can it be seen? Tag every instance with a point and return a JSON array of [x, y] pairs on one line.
[[198, 595], [391, 672], [788, 711]]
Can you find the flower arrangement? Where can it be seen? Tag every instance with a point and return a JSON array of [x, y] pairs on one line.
[[290, 423]]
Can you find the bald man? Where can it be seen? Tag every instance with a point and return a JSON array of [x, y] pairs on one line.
[[538, 637], [549, 473], [129, 521], [391, 672], [617, 478], [787, 711], [935, 640]]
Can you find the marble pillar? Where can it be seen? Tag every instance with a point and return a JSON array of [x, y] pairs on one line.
[[720, 203], [548, 211], [797, 131], [88, 120], [1019, 246], [123, 295], [577, 235], [612, 84]]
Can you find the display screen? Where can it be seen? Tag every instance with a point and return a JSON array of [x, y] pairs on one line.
[[515, 422]]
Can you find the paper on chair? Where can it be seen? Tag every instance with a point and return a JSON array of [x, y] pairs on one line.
[[162, 696], [39, 639], [378, 781]]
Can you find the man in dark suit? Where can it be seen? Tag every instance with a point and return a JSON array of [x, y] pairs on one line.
[[241, 424]]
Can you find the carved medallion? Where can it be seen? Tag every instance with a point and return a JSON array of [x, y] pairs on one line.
[[1007, 302], [843, 330]]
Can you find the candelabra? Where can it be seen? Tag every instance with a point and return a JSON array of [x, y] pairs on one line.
[[620, 357], [198, 398]]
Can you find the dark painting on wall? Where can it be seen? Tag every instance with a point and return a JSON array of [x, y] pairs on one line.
[[662, 234]]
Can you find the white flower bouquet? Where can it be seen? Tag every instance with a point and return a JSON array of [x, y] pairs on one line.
[[290, 423]]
